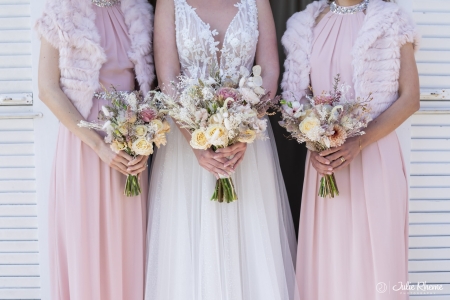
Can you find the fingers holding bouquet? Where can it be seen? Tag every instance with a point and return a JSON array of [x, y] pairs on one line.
[[216, 166], [342, 156], [137, 165], [234, 154]]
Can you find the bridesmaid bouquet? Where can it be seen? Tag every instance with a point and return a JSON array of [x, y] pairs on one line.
[[326, 122], [219, 114], [132, 124]]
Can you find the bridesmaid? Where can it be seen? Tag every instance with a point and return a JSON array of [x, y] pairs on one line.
[[351, 246], [96, 234]]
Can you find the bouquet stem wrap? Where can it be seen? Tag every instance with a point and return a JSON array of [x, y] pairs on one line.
[[224, 190], [328, 187], [132, 186]]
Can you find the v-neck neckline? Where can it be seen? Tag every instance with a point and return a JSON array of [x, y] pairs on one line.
[[211, 32]]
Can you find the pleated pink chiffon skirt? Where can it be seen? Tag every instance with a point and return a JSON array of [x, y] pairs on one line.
[[97, 235], [352, 245]]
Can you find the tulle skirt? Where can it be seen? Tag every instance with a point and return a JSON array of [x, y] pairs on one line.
[[203, 250]]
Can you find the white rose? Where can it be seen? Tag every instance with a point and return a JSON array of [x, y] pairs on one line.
[[141, 130], [199, 140]]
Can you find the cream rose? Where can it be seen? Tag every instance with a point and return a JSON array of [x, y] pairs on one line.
[[199, 140], [158, 124], [142, 147], [247, 136], [309, 124], [117, 146], [141, 130], [123, 129], [217, 135]]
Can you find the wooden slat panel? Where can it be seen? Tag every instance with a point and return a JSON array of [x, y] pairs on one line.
[[429, 229], [23, 86], [19, 258], [16, 161], [15, 23], [17, 198], [20, 282], [16, 48], [430, 181], [430, 242], [15, 74], [19, 270], [431, 18], [430, 169], [18, 235], [429, 265], [436, 277], [430, 144], [430, 193], [426, 218], [16, 124], [15, 61], [17, 149], [24, 294], [430, 156], [18, 222], [428, 132], [436, 294], [436, 254], [435, 44], [16, 136], [15, 36], [15, 10], [433, 56], [439, 31], [429, 206], [19, 246], [431, 5], [12, 186], [430, 119], [433, 69], [435, 82], [18, 210], [17, 173]]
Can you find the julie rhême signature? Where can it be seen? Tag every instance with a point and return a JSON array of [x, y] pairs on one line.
[[420, 286]]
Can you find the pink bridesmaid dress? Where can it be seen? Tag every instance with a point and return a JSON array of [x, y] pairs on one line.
[[97, 235], [355, 243]]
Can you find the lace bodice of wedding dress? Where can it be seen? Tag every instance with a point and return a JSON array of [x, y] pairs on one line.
[[198, 49]]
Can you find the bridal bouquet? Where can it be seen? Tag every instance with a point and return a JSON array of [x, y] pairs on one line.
[[326, 122], [132, 124], [219, 114]]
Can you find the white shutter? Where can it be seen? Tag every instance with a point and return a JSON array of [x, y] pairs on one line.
[[19, 251], [429, 240]]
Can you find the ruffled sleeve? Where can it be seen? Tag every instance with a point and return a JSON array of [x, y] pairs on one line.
[[47, 27]]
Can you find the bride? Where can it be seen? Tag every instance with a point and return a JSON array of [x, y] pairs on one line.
[[199, 249]]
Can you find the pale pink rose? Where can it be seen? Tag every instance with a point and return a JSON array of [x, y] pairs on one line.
[[228, 93], [148, 115]]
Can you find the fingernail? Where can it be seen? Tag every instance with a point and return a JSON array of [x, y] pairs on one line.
[[327, 162], [330, 169]]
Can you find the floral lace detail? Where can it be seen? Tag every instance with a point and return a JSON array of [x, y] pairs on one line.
[[198, 49]]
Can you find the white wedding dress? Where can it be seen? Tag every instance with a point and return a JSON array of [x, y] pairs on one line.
[[204, 250]]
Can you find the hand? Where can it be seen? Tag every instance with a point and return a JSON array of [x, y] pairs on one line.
[[215, 166], [236, 152], [342, 156], [138, 165], [116, 161], [321, 164]]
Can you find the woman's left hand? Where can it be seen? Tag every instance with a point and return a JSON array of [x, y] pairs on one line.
[[342, 156], [138, 165], [236, 151]]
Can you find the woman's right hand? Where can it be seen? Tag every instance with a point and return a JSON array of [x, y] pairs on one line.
[[118, 161], [215, 166], [321, 164]]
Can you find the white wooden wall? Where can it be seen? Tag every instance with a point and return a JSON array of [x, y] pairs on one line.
[[430, 153], [19, 251]]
